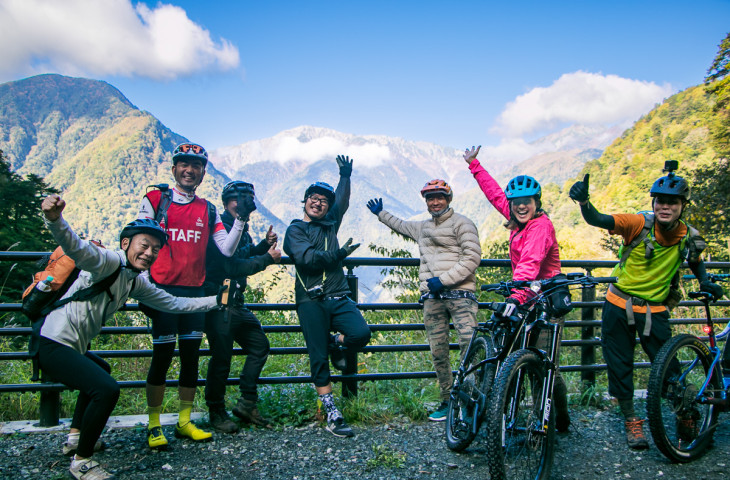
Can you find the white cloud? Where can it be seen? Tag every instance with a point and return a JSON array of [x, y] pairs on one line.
[[107, 37], [290, 148], [509, 150], [580, 97]]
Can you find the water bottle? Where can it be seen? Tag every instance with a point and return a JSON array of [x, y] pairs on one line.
[[45, 285], [38, 299]]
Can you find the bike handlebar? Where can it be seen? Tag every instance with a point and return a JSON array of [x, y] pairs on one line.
[[570, 279]]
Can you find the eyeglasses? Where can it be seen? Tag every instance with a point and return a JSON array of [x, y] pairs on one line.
[[186, 147], [318, 200]]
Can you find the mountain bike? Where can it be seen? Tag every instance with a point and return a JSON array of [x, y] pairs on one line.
[[688, 388], [503, 369]]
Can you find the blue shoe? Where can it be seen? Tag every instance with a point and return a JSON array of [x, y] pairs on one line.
[[440, 414]]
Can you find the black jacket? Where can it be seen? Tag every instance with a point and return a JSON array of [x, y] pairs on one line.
[[315, 251], [246, 260]]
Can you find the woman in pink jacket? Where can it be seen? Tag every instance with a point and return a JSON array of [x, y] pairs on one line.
[[533, 247]]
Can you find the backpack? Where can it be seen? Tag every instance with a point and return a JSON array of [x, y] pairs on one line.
[[166, 201], [691, 246]]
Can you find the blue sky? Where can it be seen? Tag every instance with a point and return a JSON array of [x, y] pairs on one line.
[[455, 73]]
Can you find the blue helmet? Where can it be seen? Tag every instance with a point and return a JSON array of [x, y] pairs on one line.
[[522, 186], [323, 189], [144, 225], [670, 184]]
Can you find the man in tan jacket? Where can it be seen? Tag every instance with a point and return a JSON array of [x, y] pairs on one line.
[[450, 254]]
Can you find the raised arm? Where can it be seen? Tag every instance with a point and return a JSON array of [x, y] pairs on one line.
[[489, 186], [579, 193]]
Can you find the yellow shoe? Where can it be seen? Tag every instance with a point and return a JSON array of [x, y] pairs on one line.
[[156, 439], [191, 431]]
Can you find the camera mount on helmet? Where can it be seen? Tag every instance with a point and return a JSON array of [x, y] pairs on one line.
[[670, 184]]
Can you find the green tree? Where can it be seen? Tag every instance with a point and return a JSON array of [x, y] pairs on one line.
[[22, 229], [717, 84]]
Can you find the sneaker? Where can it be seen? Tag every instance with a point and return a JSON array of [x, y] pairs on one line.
[[69, 448], [247, 411], [219, 420], [339, 428], [189, 430], [156, 439], [687, 427], [635, 433], [337, 356], [88, 469], [440, 414]]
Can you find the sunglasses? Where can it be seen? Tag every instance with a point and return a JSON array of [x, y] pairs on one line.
[[187, 147]]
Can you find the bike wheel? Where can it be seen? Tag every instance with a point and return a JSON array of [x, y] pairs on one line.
[[466, 404], [681, 426], [518, 444]]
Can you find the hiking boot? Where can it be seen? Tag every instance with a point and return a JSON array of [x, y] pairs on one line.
[[440, 414], [192, 432], [247, 411], [339, 428], [87, 469], [687, 427], [635, 433], [337, 356], [69, 448], [156, 438], [219, 420]]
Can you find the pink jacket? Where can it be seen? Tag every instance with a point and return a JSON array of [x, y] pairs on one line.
[[533, 250]]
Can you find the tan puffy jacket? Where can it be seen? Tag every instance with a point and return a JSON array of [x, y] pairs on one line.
[[449, 247]]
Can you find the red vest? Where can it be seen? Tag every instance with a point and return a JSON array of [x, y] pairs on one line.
[[181, 261]]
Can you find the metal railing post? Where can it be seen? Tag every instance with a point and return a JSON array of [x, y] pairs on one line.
[[588, 352], [349, 385], [50, 406]]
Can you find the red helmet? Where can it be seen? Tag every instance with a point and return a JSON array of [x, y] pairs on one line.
[[437, 186]]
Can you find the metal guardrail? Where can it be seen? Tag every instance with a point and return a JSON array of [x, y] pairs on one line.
[[50, 400]]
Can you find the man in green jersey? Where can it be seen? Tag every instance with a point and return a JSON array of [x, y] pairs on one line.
[[654, 246]]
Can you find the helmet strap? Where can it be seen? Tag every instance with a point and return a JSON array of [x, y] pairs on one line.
[[440, 212]]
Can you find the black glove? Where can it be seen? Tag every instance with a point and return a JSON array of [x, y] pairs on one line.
[[347, 249], [508, 308], [434, 285], [345, 165], [375, 205], [712, 288], [222, 290], [579, 190], [245, 206]]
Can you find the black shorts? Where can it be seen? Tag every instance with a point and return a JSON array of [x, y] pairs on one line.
[[167, 327]]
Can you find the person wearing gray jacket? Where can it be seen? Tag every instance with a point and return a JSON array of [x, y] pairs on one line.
[[67, 331], [450, 254]]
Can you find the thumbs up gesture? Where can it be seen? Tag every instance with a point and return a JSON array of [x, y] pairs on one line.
[[271, 236], [579, 190]]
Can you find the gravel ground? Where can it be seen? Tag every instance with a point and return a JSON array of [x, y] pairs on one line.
[[593, 448]]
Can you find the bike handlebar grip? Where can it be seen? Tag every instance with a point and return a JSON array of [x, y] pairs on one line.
[[605, 279], [699, 295], [491, 286]]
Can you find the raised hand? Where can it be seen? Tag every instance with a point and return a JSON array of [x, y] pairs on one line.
[[52, 207], [345, 165], [271, 236], [375, 205], [579, 190], [471, 154]]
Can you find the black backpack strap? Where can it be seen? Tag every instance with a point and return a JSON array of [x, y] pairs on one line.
[[165, 202], [212, 214]]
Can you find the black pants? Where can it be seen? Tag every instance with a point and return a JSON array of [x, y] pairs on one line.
[[245, 329], [618, 340], [318, 319], [89, 374]]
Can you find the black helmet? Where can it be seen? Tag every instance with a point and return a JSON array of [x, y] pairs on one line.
[[323, 189], [144, 225], [187, 151], [232, 189], [671, 184]]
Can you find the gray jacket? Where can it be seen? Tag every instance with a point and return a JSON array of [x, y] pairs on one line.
[[77, 323]]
